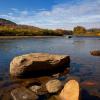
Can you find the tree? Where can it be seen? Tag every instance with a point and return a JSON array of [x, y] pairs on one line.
[[79, 30]]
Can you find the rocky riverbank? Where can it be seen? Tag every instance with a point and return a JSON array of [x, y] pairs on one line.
[[42, 88], [46, 70], [49, 88]]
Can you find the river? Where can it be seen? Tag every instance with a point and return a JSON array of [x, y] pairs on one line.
[[84, 65]]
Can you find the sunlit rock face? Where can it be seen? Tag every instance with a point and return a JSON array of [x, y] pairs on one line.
[[37, 64], [70, 91]]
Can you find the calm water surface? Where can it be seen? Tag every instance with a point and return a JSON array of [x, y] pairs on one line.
[[84, 65]]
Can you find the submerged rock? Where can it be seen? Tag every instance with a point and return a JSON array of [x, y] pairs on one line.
[[54, 97], [37, 64], [89, 83], [53, 86], [70, 77], [95, 53], [23, 94], [35, 88], [70, 91]]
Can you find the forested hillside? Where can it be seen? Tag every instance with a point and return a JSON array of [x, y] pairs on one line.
[[9, 28]]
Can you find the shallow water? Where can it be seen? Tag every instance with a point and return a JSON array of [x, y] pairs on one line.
[[84, 65]]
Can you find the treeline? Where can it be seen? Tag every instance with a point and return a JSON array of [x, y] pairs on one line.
[[82, 31], [9, 28], [21, 30]]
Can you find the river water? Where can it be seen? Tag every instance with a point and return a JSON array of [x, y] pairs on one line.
[[83, 65]]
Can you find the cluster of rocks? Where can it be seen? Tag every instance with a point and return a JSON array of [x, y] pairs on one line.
[[46, 78], [53, 87], [45, 68]]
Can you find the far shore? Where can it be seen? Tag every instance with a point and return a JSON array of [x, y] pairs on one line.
[[19, 37], [15, 37]]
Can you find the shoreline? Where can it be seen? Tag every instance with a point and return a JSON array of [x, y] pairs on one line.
[[18, 37]]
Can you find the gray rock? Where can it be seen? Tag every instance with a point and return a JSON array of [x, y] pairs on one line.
[[53, 86], [35, 88], [38, 64], [56, 75], [23, 94]]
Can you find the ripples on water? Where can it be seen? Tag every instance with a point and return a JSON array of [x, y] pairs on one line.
[[84, 65]]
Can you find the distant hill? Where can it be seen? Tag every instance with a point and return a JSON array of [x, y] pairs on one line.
[[6, 22], [9, 28]]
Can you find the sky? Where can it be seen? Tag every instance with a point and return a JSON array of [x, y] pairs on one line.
[[52, 14]]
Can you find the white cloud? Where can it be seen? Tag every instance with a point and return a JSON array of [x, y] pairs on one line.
[[24, 13], [15, 10], [85, 13]]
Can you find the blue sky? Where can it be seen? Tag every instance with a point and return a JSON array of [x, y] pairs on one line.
[[52, 14]]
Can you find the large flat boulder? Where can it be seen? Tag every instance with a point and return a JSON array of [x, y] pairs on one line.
[[37, 64]]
